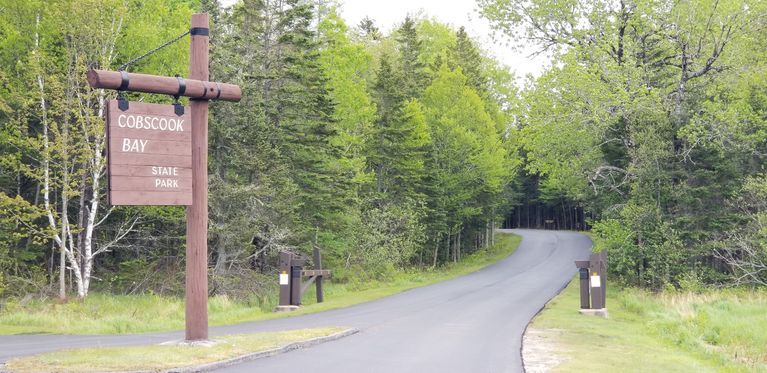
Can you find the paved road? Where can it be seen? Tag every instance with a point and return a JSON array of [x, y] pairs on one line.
[[470, 324]]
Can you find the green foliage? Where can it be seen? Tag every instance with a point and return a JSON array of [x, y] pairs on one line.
[[469, 162], [414, 78], [466, 55], [397, 149], [347, 66], [744, 248], [652, 135], [391, 237], [383, 149]]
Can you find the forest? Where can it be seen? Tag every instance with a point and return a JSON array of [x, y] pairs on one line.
[[394, 150]]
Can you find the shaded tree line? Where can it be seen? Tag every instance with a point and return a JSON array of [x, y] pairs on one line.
[[541, 210]]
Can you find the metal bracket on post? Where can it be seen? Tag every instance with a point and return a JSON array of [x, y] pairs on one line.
[[177, 107], [122, 103]]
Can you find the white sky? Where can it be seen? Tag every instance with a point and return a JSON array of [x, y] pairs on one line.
[[387, 14]]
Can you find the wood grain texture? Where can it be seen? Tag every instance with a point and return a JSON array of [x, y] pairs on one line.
[[197, 213], [151, 147], [146, 198], [150, 159], [163, 165], [167, 85], [150, 183], [130, 170], [147, 108], [152, 135]]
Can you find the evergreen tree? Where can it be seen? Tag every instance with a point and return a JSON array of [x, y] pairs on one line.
[[368, 28], [398, 141], [305, 117], [466, 55], [414, 78]]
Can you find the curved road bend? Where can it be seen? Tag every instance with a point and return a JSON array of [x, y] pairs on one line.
[[472, 323]]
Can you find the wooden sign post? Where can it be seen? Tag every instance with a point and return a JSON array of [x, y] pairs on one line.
[[152, 164], [197, 213]]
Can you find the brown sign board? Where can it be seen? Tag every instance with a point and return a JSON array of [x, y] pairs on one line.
[[149, 148]]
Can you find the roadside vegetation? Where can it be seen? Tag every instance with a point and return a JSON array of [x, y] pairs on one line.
[[162, 357], [715, 330], [118, 314]]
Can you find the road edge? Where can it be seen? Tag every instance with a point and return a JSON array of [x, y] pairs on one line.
[[247, 357], [524, 333], [262, 354], [522, 337]]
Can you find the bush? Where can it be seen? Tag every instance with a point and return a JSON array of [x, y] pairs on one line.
[[389, 237], [644, 249]]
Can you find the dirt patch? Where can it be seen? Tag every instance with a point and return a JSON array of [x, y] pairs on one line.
[[539, 352]]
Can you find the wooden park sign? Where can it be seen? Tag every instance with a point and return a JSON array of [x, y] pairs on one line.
[[158, 155], [150, 154]]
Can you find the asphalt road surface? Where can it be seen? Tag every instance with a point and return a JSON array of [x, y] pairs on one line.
[[472, 323]]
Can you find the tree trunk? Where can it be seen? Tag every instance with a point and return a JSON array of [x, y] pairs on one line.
[[492, 232], [447, 242], [62, 275], [457, 247], [436, 252], [487, 234]]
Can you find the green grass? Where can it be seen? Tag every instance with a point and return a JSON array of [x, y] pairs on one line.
[[713, 331], [160, 357], [115, 314]]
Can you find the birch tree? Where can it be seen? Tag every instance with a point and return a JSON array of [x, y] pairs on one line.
[[62, 126]]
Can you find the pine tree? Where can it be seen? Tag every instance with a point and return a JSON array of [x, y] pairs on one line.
[[466, 55], [305, 116], [399, 139], [369, 29], [414, 78]]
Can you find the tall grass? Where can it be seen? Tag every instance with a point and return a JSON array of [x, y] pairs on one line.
[[730, 323], [711, 330]]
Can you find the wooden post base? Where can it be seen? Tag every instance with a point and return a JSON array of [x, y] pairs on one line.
[[286, 308]]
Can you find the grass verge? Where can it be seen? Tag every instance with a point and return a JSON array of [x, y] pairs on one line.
[[712, 331], [116, 314], [162, 357]]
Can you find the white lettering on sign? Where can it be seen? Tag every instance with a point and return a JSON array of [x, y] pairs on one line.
[[166, 183], [164, 171], [150, 151], [596, 282], [150, 123], [134, 145]]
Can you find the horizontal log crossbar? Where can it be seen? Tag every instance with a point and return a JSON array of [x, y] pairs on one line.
[[315, 272], [168, 85]]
